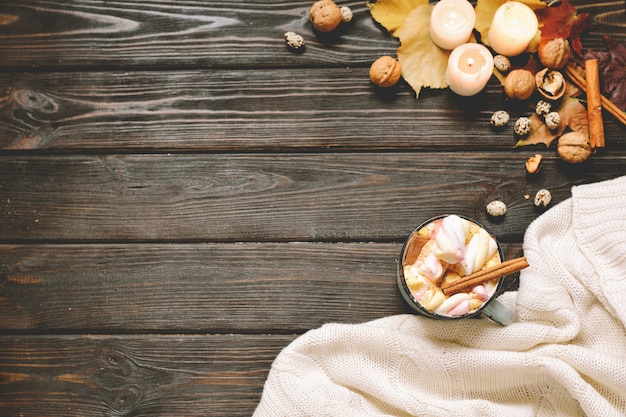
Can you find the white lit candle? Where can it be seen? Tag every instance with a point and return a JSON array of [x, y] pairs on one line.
[[513, 26], [469, 68], [451, 23]]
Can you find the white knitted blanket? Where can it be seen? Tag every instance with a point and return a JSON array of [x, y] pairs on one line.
[[564, 354]]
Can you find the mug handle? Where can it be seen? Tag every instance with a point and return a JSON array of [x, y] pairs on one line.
[[497, 312]]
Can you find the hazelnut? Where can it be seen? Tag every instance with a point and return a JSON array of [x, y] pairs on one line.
[[346, 14], [294, 41], [574, 147], [555, 53], [325, 15], [385, 71], [550, 83], [542, 108], [533, 165], [553, 120], [543, 198], [519, 84], [499, 118], [502, 63], [496, 208], [523, 126]]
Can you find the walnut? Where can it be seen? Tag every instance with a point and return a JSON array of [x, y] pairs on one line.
[[555, 53], [519, 84], [385, 71], [574, 147], [496, 208], [533, 165], [550, 83], [325, 15]]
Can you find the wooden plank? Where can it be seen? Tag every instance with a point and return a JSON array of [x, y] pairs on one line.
[[199, 288], [209, 375], [235, 110], [182, 33], [139, 33], [272, 197]]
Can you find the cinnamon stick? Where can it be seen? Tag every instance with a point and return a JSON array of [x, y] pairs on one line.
[[413, 248], [480, 277], [607, 104], [594, 104]]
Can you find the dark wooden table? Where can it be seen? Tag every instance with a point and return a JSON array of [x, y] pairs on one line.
[[182, 196]]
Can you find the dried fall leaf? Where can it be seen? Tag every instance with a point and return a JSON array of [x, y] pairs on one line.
[[563, 21], [392, 14], [540, 133], [423, 63], [485, 9], [612, 65], [573, 116]]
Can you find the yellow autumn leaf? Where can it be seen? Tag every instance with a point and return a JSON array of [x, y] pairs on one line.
[[423, 63], [392, 14], [485, 9]]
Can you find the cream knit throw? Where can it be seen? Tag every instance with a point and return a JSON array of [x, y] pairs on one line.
[[563, 355]]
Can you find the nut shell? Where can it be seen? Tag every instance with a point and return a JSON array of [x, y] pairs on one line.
[[519, 84], [550, 84], [574, 147], [555, 53], [385, 71], [325, 15], [533, 164]]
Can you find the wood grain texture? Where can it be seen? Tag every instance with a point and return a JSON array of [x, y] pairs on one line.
[[181, 196], [199, 288], [247, 110], [205, 375], [139, 33], [271, 197], [179, 33]]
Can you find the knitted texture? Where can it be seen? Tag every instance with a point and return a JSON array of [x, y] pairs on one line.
[[564, 354]]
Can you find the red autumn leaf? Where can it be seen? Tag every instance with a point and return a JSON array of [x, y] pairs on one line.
[[612, 66], [563, 21]]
